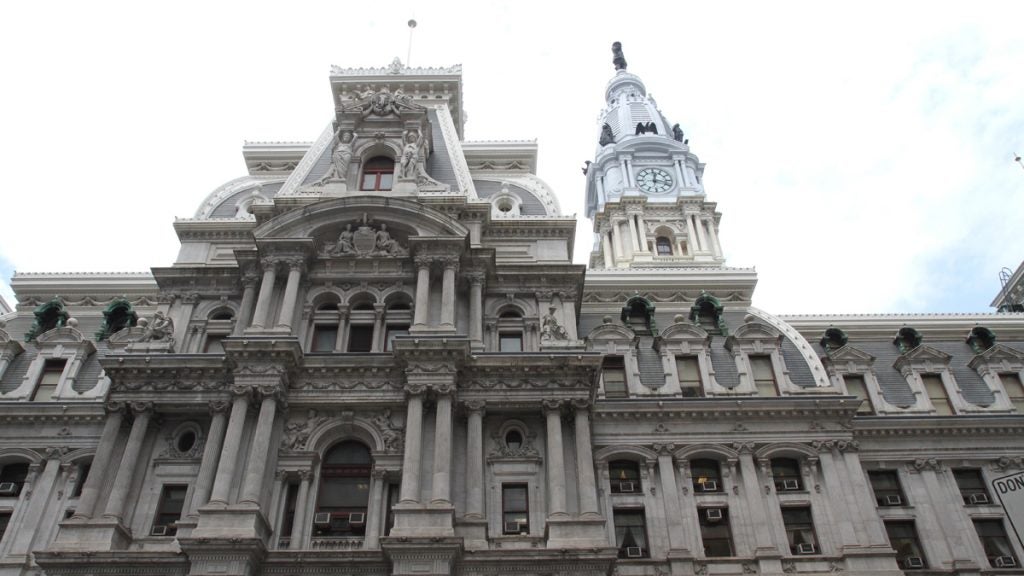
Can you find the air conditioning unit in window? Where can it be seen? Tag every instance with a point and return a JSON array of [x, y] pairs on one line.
[[634, 552], [8, 488], [979, 498], [627, 487], [322, 519], [356, 519], [1005, 562], [158, 530], [893, 500], [514, 527], [790, 484], [709, 486], [913, 562], [805, 549], [713, 514]]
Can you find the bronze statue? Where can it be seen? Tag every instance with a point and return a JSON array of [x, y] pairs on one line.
[[619, 60]]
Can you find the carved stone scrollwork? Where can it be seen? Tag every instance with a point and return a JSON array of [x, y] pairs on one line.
[[475, 276], [664, 449], [449, 262], [423, 261], [1008, 463], [474, 406], [305, 474], [218, 406], [281, 475], [112, 407], [551, 405], [269, 263], [298, 429], [927, 464], [379, 474], [241, 390], [141, 407], [55, 452], [743, 447], [413, 389]]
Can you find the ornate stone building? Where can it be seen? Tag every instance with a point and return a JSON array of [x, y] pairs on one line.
[[374, 355]]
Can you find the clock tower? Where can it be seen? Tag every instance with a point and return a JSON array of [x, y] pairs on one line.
[[645, 189]]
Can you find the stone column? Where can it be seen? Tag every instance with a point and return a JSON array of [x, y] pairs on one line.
[[451, 266], [229, 451], [101, 461], [641, 232], [126, 469], [555, 458], [211, 452], [476, 308], [413, 446], [617, 241], [627, 180], [291, 292], [248, 301], [375, 510], [475, 459], [763, 540], [670, 497], [340, 343], [631, 220], [606, 250], [421, 314], [691, 234], [42, 484], [629, 171], [441, 493], [259, 318], [299, 518], [259, 451], [837, 497], [585, 460], [378, 327], [701, 234], [679, 172], [872, 522], [715, 246]]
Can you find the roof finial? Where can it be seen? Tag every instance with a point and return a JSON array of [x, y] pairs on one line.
[[619, 60]]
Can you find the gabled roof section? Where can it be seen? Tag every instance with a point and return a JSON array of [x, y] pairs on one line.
[[923, 353], [850, 353]]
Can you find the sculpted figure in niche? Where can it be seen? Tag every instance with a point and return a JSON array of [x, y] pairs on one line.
[[410, 154], [160, 329], [550, 329], [344, 244], [340, 159], [385, 244]]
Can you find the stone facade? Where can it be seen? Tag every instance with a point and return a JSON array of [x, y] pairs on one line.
[[374, 355]]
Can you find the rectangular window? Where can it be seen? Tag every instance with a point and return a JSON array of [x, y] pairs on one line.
[[1014, 389], [856, 386], [515, 509], [763, 374], [786, 475], [5, 519], [886, 485], [936, 392], [172, 502], [714, 532], [12, 479], [972, 486], [83, 475], [903, 539], [510, 342], [360, 338], [48, 380], [325, 338], [997, 545], [689, 376], [631, 533], [214, 344], [613, 372], [800, 530]]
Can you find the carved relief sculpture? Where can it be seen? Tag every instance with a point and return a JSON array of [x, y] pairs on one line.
[[550, 329], [365, 241], [340, 159]]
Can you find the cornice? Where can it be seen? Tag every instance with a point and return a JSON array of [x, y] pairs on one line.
[[974, 425], [860, 327]]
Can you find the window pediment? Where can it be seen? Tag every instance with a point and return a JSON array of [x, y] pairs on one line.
[[849, 353], [753, 331], [997, 353], [922, 354]]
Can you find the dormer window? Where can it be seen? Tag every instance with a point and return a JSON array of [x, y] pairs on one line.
[[378, 175]]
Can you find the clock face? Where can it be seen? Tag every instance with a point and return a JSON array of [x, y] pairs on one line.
[[654, 180]]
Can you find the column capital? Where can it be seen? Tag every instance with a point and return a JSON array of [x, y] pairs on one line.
[[241, 391], [281, 475], [275, 392], [581, 404], [449, 262], [475, 276], [305, 475], [114, 408], [552, 406], [545, 295], [443, 389], [664, 449], [55, 452], [415, 389], [379, 474], [294, 263], [250, 279], [218, 406], [269, 263], [140, 408], [475, 406], [422, 261]]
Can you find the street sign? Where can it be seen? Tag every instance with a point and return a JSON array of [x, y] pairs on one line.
[[1010, 491]]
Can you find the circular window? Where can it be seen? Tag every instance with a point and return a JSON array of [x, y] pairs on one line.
[[514, 439], [186, 440]]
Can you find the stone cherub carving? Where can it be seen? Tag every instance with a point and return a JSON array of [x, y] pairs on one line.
[[340, 158], [550, 329], [159, 329]]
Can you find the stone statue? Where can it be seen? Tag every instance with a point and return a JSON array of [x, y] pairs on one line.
[[340, 159], [550, 329], [617, 58], [385, 244], [677, 133], [410, 155], [160, 329], [344, 243], [390, 434], [606, 135]]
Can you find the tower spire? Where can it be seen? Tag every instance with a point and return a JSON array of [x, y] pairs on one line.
[[618, 59]]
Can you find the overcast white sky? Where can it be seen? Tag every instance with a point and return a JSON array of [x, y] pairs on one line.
[[861, 153]]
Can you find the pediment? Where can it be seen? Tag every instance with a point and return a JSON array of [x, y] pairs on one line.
[[610, 332], [849, 353], [684, 331], [925, 352], [756, 331], [997, 353], [61, 335]]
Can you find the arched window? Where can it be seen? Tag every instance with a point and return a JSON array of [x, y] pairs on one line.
[[707, 475], [12, 478], [786, 474], [378, 174], [219, 325], [664, 246], [360, 327], [510, 331], [624, 476], [344, 491]]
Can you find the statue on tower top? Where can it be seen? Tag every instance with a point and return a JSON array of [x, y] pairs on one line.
[[619, 60]]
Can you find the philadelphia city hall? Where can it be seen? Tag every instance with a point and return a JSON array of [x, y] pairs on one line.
[[375, 356]]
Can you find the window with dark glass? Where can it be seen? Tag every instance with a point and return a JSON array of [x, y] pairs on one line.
[[630, 533], [715, 533], [664, 246], [344, 494], [48, 380], [1014, 389], [613, 372], [688, 369], [378, 174], [291, 495], [513, 440], [325, 337], [83, 475], [515, 509], [786, 475], [12, 479], [856, 386], [707, 475], [937, 393], [360, 338], [168, 511], [800, 530], [972, 486], [886, 485], [764, 374], [510, 341], [996, 543], [903, 539], [5, 519], [624, 476]]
